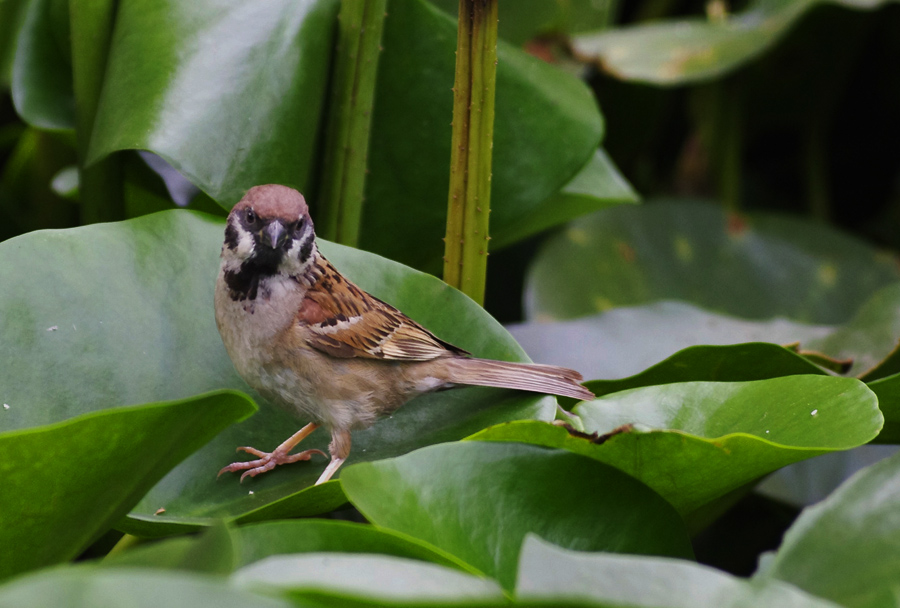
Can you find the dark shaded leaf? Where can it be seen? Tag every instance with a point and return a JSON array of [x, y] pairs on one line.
[[42, 67]]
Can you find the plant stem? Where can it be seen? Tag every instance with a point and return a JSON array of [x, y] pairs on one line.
[[91, 23], [353, 94], [469, 199], [126, 542], [815, 157], [728, 149]]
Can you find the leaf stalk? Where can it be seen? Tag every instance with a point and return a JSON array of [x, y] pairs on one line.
[[361, 23], [469, 198]]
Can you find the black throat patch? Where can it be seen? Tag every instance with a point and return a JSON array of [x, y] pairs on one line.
[[242, 284]]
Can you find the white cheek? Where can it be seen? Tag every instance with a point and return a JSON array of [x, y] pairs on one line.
[[245, 245]]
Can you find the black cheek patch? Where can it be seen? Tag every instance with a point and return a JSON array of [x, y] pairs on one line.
[[306, 250], [231, 237]]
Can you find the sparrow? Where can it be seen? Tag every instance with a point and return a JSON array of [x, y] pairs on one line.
[[311, 341]]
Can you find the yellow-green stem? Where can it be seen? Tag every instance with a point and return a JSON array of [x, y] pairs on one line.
[[100, 185], [353, 94], [469, 199], [126, 542]]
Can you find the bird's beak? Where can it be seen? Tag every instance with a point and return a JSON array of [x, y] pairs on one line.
[[274, 235]]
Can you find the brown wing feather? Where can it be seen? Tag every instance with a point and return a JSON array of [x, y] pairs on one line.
[[345, 321]]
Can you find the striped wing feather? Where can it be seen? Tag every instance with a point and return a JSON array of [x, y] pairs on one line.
[[345, 322]]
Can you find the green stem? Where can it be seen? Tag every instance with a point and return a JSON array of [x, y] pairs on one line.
[[91, 23], [353, 95], [732, 134], [815, 159], [126, 542], [469, 199], [820, 119], [718, 115]]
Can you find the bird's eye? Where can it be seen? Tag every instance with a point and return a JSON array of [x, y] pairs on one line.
[[250, 216]]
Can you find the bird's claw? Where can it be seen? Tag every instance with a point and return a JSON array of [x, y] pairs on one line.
[[266, 461]]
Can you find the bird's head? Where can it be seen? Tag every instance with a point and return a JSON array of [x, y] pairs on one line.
[[269, 231]]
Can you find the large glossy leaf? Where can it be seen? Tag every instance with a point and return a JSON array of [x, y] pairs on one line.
[[66, 483], [95, 588], [622, 342], [122, 313], [220, 549], [847, 548], [693, 442], [258, 541], [42, 67], [550, 573], [233, 96], [374, 578], [268, 95], [757, 267], [681, 51], [477, 501], [12, 14], [212, 550]]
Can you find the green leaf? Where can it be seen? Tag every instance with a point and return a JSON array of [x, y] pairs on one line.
[[888, 392], [870, 338], [547, 126], [219, 549], [66, 483], [12, 15], [42, 67], [478, 500], [598, 185], [122, 313], [547, 572], [212, 551], [372, 578], [258, 541], [753, 267], [694, 442], [636, 337], [93, 588], [681, 51], [735, 363], [228, 116], [847, 547]]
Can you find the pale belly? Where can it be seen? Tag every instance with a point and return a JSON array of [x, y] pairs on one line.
[[337, 393]]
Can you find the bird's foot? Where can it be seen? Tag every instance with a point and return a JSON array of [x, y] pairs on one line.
[[266, 461]]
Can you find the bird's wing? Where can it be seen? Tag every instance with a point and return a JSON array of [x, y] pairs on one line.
[[344, 321]]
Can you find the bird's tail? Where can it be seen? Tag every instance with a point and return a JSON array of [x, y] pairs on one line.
[[522, 376]]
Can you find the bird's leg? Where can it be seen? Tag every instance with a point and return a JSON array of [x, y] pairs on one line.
[[280, 455], [340, 449]]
